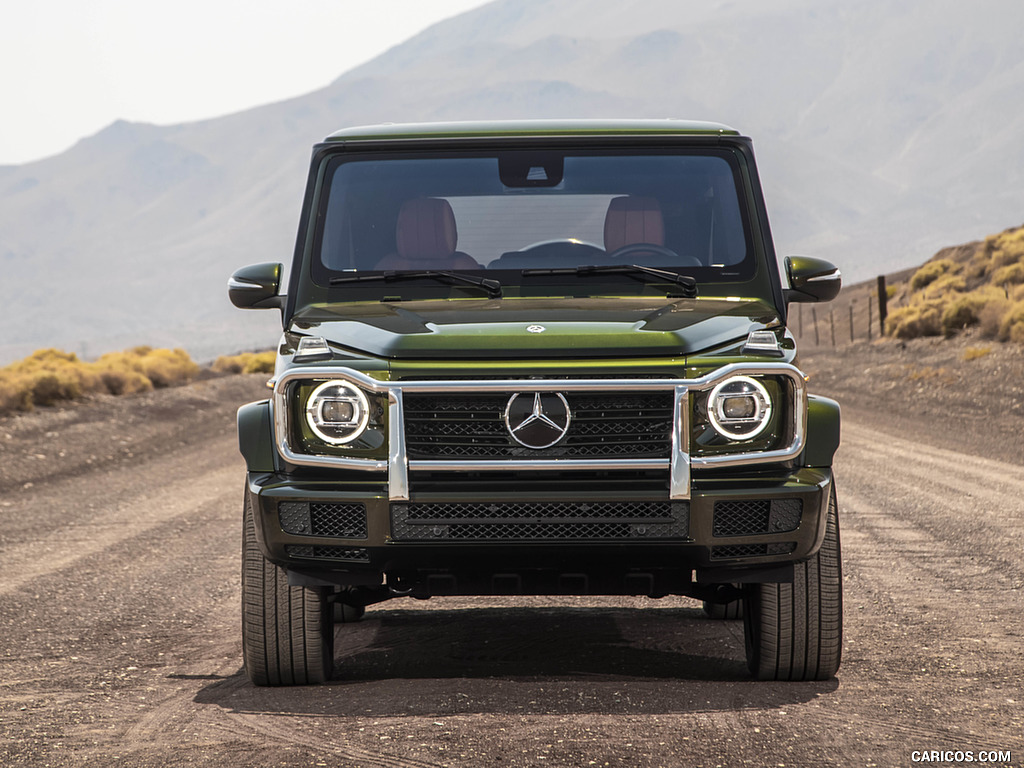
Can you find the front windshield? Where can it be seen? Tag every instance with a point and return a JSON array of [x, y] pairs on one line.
[[500, 213]]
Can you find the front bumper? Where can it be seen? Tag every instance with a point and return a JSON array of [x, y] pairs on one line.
[[351, 532]]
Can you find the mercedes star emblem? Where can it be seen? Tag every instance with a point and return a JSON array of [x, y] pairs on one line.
[[539, 420], [536, 328]]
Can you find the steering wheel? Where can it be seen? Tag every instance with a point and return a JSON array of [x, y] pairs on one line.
[[660, 250], [566, 242]]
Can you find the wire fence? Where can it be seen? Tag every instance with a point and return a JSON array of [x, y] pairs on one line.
[[858, 318]]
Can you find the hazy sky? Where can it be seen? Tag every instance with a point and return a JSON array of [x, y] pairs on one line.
[[70, 67]]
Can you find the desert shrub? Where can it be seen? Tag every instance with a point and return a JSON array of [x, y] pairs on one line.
[[965, 310], [122, 372], [922, 318], [976, 353], [124, 381], [1003, 250], [990, 317], [15, 393], [160, 367], [1010, 274], [930, 272], [49, 376], [246, 362], [1011, 327], [166, 367], [944, 287]]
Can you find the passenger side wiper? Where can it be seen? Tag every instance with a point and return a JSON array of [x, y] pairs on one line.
[[635, 270], [493, 287]]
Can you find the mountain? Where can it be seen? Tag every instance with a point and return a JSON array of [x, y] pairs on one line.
[[884, 130]]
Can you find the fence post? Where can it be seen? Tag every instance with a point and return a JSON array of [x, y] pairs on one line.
[[832, 323], [851, 322], [883, 305], [814, 319], [871, 313]]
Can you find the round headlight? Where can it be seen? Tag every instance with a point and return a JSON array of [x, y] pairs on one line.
[[337, 412], [739, 408]]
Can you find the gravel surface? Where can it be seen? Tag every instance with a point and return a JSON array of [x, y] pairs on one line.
[[119, 608]]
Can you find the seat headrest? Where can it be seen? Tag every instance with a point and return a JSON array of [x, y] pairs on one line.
[[426, 229], [633, 219]]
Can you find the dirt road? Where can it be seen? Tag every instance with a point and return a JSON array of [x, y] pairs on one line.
[[119, 622]]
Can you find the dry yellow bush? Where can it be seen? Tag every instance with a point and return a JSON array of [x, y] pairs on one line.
[[930, 272], [166, 367], [945, 296], [246, 362], [965, 310], [1011, 328], [975, 353], [990, 317], [923, 318], [1010, 274], [943, 287], [48, 376]]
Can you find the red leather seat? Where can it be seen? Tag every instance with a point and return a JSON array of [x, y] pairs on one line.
[[426, 238], [631, 220]]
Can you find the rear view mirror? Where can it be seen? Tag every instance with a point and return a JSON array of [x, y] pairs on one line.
[[812, 279], [256, 287]]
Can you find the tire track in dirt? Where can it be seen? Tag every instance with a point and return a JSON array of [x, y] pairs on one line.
[[115, 518], [934, 598]]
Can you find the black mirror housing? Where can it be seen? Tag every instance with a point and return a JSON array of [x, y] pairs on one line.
[[812, 280], [256, 287]]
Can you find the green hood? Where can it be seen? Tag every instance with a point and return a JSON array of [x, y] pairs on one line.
[[510, 328]]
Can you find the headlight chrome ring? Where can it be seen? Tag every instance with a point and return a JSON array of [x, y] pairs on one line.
[[337, 412], [739, 408]]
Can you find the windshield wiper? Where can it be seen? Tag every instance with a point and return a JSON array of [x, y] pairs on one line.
[[635, 270], [493, 287]]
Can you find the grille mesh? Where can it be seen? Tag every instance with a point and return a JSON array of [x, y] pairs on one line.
[[540, 521], [606, 425], [341, 521], [752, 550], [756, 516], [352, 554]]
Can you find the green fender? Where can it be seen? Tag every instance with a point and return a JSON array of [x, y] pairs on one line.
[[822, 432], [255, 436]]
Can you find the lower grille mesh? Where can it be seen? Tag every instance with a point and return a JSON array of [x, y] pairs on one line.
[[540, 521], [756, 516], [351, 554], [340, 521], [752, 550]]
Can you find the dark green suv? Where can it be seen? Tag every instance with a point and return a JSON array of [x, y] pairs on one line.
[[538, 358]]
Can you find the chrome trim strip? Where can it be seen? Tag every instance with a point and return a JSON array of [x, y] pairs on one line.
[[235, 284], [398, 461], [834, 275], [679, 469], [482, 465], [679, 464]]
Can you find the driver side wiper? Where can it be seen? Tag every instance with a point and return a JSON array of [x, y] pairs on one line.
[[493, 287], [636, 270]]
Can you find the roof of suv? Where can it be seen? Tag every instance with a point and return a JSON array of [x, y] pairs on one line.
[[527, 128]]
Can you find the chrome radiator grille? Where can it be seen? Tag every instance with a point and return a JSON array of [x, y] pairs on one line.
[[604, 425]]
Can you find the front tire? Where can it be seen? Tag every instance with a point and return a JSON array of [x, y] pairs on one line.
[[287, 632], [795, 631]]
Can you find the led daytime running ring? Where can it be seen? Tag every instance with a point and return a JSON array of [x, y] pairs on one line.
[[346, 393], [726, 426]]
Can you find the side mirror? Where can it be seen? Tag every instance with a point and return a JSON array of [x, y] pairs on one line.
[[256, 287], [812, 279]]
